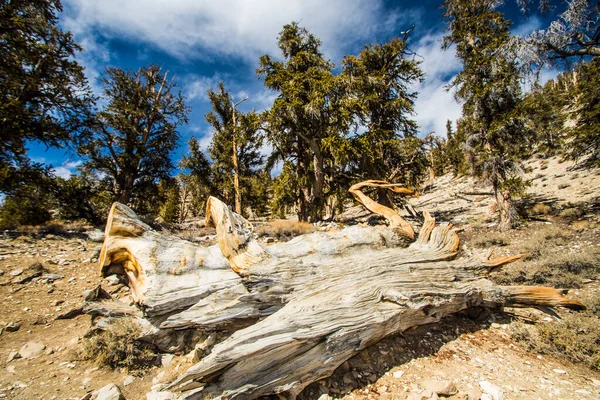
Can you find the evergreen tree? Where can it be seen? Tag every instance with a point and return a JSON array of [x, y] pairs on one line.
[[136, 133], [378, 83], [303, 124], [585, 136], [234, 149], [44, 95], [489, 86], [455, 150]]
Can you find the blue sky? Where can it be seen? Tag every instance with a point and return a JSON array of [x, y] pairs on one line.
[[203, 42]]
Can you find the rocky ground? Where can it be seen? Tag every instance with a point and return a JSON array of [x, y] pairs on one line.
[[43, 278]]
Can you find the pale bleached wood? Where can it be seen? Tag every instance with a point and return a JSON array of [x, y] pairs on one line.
[[298, 309], [334, 308]]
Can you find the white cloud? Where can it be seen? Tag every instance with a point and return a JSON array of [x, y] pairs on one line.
[[192, 28], [195, 87], [66, 169], [531, 24], [435, 105]]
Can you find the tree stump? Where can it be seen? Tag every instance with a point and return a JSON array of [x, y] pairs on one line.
[[299, 309]]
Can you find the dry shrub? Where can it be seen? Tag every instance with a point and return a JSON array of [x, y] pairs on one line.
[[489, 239], [118, 347], [540, 209], [575, 337], [284, 229], [571, 213]]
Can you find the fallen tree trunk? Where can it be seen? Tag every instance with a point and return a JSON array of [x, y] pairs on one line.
[[299, 309]]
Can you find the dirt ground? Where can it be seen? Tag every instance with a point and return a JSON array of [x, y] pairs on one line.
[[464, 350]]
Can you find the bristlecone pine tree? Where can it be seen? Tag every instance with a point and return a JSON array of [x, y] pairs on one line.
[[303, 124], [489, 87], [379, 84], [136, 132], [245, 137], [44, 95]]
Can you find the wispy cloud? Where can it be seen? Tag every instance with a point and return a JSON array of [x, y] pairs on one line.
[[196, 87], [66, 169], [435, 105], [245, 29]]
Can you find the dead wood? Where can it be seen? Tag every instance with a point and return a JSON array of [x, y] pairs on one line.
[[299, 309]]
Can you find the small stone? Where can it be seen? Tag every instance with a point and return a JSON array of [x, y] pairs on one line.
[[583, 391], [52, 277], [398, 374], [128, 380], [11, 369], [492, 390], [382, 390], [324, 396], [95, 236], [16, 272], [13, 326], [112, 280], [13, 355], [559, 371], [166, 359], [32, 349], [160, 396], [86, 381], [443, 388], [49, 351], [73, 342], [109, 392]]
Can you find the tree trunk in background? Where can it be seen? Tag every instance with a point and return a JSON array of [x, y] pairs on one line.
[[507, 212]]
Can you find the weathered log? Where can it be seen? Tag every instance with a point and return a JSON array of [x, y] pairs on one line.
[[299, 309]]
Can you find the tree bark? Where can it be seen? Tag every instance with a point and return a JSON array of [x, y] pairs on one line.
[[507, 212], [299, 309]]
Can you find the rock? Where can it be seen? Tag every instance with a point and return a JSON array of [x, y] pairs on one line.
[[33, 271], [32, 349], [442, 388], [486, 396], [95, 236], [52, 277], [108, 392], [112, 280], [398, 374], [86, 381], [560, 371], [160, 396], [583, 391], [49, 351], [13, 355], [73, 342], [11, 369], [13, 326], [166, 359], [16, 272], [324, 396], [492, 390], [128, 380]]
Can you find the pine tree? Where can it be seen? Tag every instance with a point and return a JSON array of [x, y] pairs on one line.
[[44, 95], [489, 87], [234, 149], [136, 133], [378, 84], [455, 150], [585, 136], [303, 124]]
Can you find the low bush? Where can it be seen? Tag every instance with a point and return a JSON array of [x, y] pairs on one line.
[[118, 347]]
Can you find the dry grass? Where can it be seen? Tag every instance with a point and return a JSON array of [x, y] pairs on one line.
[[540, 209], [118, 347], [551, 262], [284, 229], [576, 337], [489, 239], [571, 213]]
